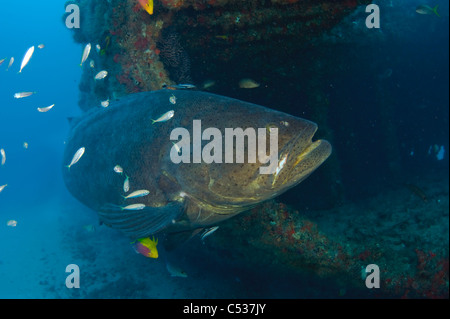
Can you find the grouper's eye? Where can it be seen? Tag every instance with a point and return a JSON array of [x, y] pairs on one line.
[[271, 128]]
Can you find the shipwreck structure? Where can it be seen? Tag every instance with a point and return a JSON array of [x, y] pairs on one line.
[[291, 48]]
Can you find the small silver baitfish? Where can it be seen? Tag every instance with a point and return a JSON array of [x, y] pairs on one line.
[[45, 109], [26, 58], [136, 194], [11, 223], [104, 103], [209, 231], [86, 51], [165, 117], [21, 95], [118, 169], [3, 154], [126, 184], [11, 61], [185, 86], [133, 207], [101, 75], [76, 157]]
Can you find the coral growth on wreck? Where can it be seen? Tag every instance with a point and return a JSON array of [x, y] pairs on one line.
[[145, 51]]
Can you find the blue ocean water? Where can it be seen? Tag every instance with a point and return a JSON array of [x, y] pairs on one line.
[[33, 175], [51, 230]]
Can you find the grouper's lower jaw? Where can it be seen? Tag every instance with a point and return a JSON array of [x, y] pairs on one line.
[[300, 166], [320, 154]]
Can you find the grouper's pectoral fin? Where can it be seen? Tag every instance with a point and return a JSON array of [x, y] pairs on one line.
[[140, 223]]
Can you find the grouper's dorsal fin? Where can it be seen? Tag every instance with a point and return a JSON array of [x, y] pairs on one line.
[[140, 223]]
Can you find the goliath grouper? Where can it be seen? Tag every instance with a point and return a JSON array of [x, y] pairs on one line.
[[190, 195]]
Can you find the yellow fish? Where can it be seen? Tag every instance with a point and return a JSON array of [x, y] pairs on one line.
[[147, 5], [146, 247]]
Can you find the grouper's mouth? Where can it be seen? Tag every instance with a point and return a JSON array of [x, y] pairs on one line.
[[299, 158]]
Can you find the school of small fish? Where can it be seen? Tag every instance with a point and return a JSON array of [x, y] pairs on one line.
[[80, 152]]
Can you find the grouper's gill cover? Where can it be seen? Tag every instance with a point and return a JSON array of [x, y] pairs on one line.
[[185, 195]]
